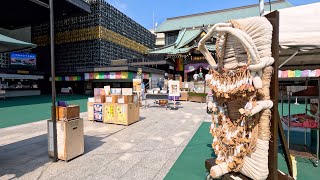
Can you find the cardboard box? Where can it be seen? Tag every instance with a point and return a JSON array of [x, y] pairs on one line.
[[100, 99], [109, 113], [70, 139], [91, 99], [184, 96], [136, 111], [98, 112], [90, 111], [135, 98], [111, 98], [107, 90], [116, 91], [126, 91], [99, 92], [122, 99], [126, 113], [67, 113]]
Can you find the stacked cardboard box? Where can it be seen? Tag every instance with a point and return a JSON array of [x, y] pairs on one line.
[[70, 139], [70, 132], [117, 108]]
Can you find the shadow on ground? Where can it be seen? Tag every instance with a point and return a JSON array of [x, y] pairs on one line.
[[20, 158]]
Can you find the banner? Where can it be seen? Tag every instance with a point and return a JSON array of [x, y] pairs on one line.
[[179, 64], [23, 59], [136, 85], [174, 88]]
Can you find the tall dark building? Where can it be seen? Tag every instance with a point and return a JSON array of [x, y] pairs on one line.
[[89, 46]]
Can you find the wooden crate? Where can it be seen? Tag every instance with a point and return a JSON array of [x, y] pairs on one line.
[[112, 98], [109, 113], [90, 111], [184, 96], [67, 113], [126, 113], [70, 139], [125, 99], [201, 99]]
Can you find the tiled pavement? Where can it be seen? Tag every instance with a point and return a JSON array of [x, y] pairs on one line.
[[144, 150]]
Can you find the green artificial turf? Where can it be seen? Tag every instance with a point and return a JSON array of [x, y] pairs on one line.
[[21, 110], [190, 164]]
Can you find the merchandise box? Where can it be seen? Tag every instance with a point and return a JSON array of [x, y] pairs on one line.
[[135, 98], [126, 91], [123, 99], [91, 99], [116, 91], [70, 139], [111, 98], [127, 113], [100, 99], [99, 92], [136, 111], [109, 113], [67, 113], [107, 90], [90, 111]]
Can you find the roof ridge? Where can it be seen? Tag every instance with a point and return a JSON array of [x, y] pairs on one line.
[[226, 10], [192, 38], [184, 33]]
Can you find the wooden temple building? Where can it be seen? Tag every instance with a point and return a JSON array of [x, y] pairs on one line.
[[180, 55]]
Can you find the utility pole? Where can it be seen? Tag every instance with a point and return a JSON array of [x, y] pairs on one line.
[[53, 84], [261, 7]]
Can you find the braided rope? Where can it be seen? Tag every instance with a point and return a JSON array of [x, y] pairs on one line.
[[232, 54]]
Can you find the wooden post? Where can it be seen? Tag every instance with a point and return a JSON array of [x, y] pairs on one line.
[[274, 91]]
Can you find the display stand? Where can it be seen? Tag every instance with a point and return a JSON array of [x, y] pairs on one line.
[[174, 104], [302, 151], [275, 129]]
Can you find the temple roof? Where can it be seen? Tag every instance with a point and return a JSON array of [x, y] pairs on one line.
[[213, 17], [184, 43]]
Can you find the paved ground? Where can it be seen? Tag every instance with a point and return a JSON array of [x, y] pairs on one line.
[[144, 150]]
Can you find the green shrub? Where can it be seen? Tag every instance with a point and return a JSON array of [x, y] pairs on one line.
[[197, 94]]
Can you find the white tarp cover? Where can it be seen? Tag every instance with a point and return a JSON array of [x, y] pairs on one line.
[[300, 27]]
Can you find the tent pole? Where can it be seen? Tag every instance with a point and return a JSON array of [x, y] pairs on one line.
[[293, 55], [53, 84]]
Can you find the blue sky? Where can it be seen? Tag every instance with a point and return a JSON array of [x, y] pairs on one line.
[[142, 10]]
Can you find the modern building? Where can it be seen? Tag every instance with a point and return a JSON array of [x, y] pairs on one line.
[[183, 33], [96, 49], [160, 38]]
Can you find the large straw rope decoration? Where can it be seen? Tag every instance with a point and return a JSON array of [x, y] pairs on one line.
[[241, 87]]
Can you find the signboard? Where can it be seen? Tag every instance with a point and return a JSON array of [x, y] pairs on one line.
[[174, 88], [23, 59], [136, 85]]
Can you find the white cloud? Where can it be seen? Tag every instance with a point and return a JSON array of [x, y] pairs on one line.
[[121, 6]]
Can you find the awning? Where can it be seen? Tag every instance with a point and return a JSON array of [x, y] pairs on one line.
[[299, 36], [20, 76], [300, 27], [8, 44]]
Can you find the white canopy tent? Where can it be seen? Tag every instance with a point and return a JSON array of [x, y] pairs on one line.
[[299, 35]]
